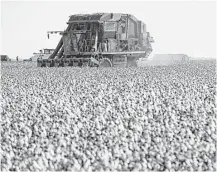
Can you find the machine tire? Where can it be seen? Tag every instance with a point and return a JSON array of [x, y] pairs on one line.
[[61, 63], [105, 62], [52, 63], [43, 64]]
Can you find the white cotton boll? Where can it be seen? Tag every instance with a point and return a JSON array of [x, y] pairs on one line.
[[144, 164], [36, 128], [89, 169], [188, 162], [48, 155], [188, 146], [29, 132], [8, 157], [152, 153], [162, 150], [214, 136], [184, 147], [115, 164], [17, 168], [98, 132], [75, 129], [26, 140], [11, 153], [98, 126], [86, 164], [58, 158], [40, 163], [52, 102], [157, 167], [191, 141], [76, 165], [208, 130], [79, 125], [51, 149], [58, 150], [207, 149], [212, 148], [173, 158], [158, 156], [9, 164], [149, 166], [82, 170], [72, 115], [64, 160], [181, 157], [62, 142], [137, 167], [158, 139], [21, 142], [37, 150], [195, 162], [35, 166]]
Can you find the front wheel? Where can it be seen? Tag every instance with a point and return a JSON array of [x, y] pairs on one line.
[[105, 62]]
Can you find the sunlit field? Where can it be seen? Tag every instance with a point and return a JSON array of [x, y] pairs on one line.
[[72, 119]]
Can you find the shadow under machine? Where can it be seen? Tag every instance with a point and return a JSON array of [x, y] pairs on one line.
[[101, 39]]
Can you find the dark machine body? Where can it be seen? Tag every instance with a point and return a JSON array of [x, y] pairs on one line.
[[101, 39]]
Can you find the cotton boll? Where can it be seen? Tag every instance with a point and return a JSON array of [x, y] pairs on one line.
[[149, 165], [36, 165], [137, 167], [62, 142], [87, 163], [181, 157], [76, 165]]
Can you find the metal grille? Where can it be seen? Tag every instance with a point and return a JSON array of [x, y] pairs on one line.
[[110, 26]]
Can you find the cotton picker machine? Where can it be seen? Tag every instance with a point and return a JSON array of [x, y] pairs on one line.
[[101, 39]]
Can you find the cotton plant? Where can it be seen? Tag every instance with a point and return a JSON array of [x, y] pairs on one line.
[[114, 119]]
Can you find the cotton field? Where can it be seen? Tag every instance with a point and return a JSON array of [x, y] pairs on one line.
[[156, 118]]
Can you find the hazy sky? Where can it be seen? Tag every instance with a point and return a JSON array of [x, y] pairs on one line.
[[177, 27]]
